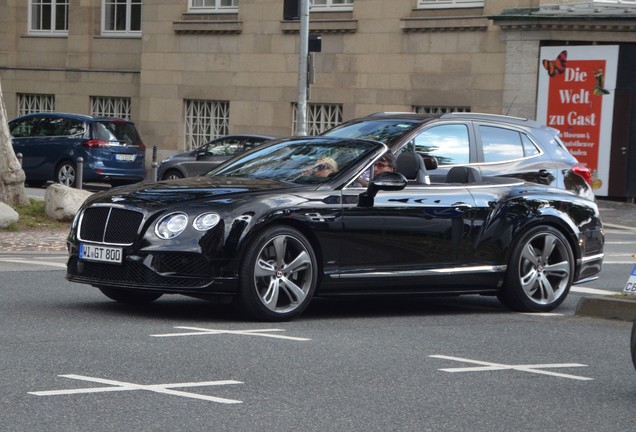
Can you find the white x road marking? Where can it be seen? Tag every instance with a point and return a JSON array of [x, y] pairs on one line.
[[488, 366], [203, 331], [157, 388]]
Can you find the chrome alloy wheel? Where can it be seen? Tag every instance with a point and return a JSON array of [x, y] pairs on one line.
[[66, 174], [545, 268], [283, 273]]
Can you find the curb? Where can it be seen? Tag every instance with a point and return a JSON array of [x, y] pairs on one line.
[[623, 308]]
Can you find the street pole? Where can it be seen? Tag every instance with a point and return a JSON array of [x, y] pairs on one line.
[[301, 112]]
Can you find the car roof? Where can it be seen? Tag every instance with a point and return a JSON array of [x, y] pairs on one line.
[[424, 118], [72, 116]]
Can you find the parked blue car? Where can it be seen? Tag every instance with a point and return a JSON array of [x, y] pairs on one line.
[[50, 144]]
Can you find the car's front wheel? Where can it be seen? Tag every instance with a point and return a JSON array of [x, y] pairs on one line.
[[278, 275], [540, 271], [129, 296], [172, 175], [66, 173]]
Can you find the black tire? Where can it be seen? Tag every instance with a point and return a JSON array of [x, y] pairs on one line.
[[129, 296], [540, 271], [172, 174], [278, 275], [66, 173]]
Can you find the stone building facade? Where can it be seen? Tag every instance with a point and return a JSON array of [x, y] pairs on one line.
[[188, 70]]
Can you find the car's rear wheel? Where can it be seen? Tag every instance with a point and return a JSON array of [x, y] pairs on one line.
[[66, 173], [540, 271], [278, 275], [172, 175], [129, 296]]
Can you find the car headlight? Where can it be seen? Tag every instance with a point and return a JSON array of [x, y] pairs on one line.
[[205, 221], [171, 225]]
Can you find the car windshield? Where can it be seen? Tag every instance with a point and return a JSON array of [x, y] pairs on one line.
[[384, 130], [116, 131], [303, 161]]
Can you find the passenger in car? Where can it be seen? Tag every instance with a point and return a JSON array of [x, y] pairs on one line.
[[323, 167], [385, 164]]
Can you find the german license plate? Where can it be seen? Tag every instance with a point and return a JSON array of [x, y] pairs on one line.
[[125, 157], [105, 254]]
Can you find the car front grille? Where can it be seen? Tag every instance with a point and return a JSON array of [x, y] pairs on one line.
[[110, 225]]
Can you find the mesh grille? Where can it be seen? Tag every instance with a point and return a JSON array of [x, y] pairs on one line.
[[110, 225], [131, 273]]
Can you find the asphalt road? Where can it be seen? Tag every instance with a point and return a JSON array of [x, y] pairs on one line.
[[74, 361]]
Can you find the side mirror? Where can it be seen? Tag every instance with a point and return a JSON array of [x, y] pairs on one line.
[[387, 181]]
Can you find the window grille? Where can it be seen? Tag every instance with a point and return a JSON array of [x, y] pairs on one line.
[[447, 4], [34, 103], [48, 16], [121, 17], [439, 110], [204, 121], [320, 117], [213, 5], [106, 106]]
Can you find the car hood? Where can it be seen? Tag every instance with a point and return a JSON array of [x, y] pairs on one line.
[[172, 192]]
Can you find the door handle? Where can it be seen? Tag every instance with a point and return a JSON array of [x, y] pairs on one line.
[[461, 206]]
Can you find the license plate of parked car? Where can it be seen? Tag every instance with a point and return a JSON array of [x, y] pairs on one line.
[[125, 157], [100, 253]]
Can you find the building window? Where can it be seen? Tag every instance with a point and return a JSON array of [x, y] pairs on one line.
[[48, 16], [320, 118], [213, 6], [34, 103], [204, 121], [439, 110], [106, 106], [330, 5], [447, 4], [121, 17]]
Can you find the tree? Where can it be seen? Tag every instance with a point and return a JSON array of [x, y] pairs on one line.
[[12, 176]]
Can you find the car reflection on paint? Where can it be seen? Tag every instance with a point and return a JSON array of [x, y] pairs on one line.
[[287, 222]]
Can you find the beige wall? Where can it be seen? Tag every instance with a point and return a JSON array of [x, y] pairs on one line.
[[382, 56]]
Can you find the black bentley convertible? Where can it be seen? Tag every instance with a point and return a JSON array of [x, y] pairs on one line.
[[288, 221]]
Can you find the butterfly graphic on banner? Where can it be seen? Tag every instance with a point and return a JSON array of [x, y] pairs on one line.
[[556, 66]]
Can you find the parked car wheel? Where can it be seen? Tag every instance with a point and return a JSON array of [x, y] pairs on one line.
[[172, 175], [66, 173], [540, 271], [278, 276], [129, 296]]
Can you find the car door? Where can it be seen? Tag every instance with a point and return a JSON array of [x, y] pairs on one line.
[[211, 155], [405, 234], [451, 143], [22, 137], [44, 147]]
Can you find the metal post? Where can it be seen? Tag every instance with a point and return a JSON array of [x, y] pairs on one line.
[[79, 173], [19, 156], [301, 112], [155, 164]]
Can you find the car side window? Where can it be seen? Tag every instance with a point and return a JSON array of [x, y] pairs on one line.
[[226, 147], [449, 143], [23, 128], [52, 127], [75, 127], [500, 144]]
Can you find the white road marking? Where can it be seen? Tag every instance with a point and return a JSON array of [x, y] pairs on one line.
[[531, 368], [203, 331], [595, 291], [156, 388], [30, 262]]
